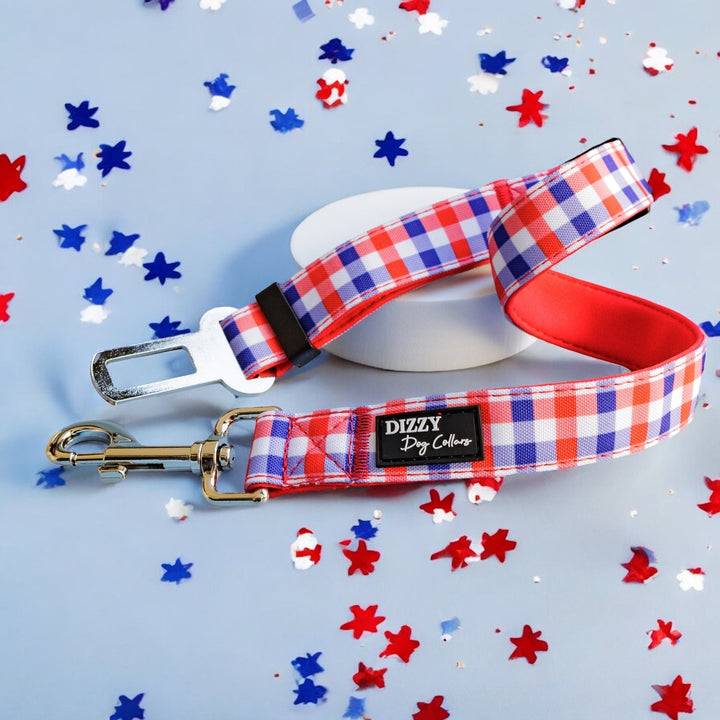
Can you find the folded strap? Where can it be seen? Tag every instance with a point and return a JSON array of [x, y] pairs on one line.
[[539, 221]]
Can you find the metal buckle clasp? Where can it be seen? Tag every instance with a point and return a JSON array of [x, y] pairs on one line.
[[123, 453], [209, 352]]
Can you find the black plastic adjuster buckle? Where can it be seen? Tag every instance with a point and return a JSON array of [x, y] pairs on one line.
[[286, 326]]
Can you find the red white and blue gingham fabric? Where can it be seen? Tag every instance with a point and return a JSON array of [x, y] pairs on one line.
[[536, 427]]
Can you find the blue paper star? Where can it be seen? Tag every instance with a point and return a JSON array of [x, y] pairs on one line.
[[308, 665], [81, 115], [692, 214], [495, 64], [113, 156], [308, 692], [168, 328], [128, 709], [355, 708], [51, 478], [709, 329], [335, 51], [69, 164], [285, 121], [176, 571], [119, 242], [555, 64], [96, 293], [389, 147], [164, 4], [70, 237], [161, 269], [219, 86], [364, 530]]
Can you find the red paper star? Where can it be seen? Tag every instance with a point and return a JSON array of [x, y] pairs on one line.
[[400, 644], [528, 645], [458, 551], [663, 631], [421, 6], [497, 545], [658, 186], [10, 180], [4, 302], [437, 503], [432, 710], [687, 149], [529, 108], [673, 698], [638, 567], [363, 620], [361, 559], [712, 506], [366, 677]]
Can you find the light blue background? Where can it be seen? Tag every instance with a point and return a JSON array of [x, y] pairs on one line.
[[83, 615]]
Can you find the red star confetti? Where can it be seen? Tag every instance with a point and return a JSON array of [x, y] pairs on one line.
[[432, 710], [10, 180], [687, 149], [459, 551], [364, 620], [5, 299], [305, 551], [421, 6], [638, 567], [692, 579], [440, 508], [529, 108], [483, 489], [528, 645], [367, 677], [664, 631], [673, 698], [362, 559], [400, 644], [497, 545], [658, 186], [711, 507]]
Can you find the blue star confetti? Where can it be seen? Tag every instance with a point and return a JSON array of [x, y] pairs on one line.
[[219, 87], [308, 665], [119, 242], [364, 530], [81, 115], [709, 329], [335, 51], [355, 709], [309, 693], [70, 237], [176, 572], [161, 269], [168, 328], [129, 708], [96, 293], [448, 627], [51, 478], [555, 64], [164, 4], [113, 156], [303, 11], [390, 148], [69, 164], [285, 121], [691, 214], [495, 64]]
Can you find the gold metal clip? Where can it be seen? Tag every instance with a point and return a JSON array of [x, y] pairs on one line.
[[122, 454]]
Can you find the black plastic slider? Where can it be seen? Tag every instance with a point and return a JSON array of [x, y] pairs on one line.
[[286, 326]]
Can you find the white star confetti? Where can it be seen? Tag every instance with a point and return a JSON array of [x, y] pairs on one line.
[[69, 179], [484, 83], [656, 60], [94, 314], [133, 256], [305, 550], [178, 509], [361, 18], [431, 23], [691, 579]]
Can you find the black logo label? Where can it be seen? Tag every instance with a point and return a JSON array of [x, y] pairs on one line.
[[429, 437]]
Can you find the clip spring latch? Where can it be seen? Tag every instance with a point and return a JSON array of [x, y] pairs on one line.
[[123, 454]]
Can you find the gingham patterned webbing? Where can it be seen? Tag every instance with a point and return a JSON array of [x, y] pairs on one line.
[[532, 428]]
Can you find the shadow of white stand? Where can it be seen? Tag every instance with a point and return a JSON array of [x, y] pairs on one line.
[[449, 324]]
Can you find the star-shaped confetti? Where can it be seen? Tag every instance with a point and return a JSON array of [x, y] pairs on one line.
[[5, 299], [712, 506], [432, 23], [129, 708], [69, 164], [286, 121], [176, 572], [133, 256], [674, 698], [555, 64], [400, 644], [120, 243], [220, 91], [10, 180], [419, 6], [495, 64], [51, 478], [691, 579], [305, 551], [656, 60], [164, 4], [178, 509], [658, 186], [69, 176], [390, 148], [70, 237], [639, 568], [496, 544], [459, 551], [664, 631], [483, 489], [308, 693], [711, 330], [333, 91], [448, 627], [361, 559], [168, 328], [528, 645], [691, 214], [440, 508], [364, 529], [432, 710], [160, 269], [96, 293], [355, 709], [484, 83], [530, 108], [364, 620], [308, 665], [367, 677], [81, 115], [113, 156], [687, 149], [361, 18], [94, 314], [335, 51]]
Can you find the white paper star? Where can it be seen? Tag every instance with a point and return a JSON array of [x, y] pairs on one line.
[[178, 509], [484, 83], [94, 314], [69, 179], [431, 23], [361, 18], [133, 256]]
